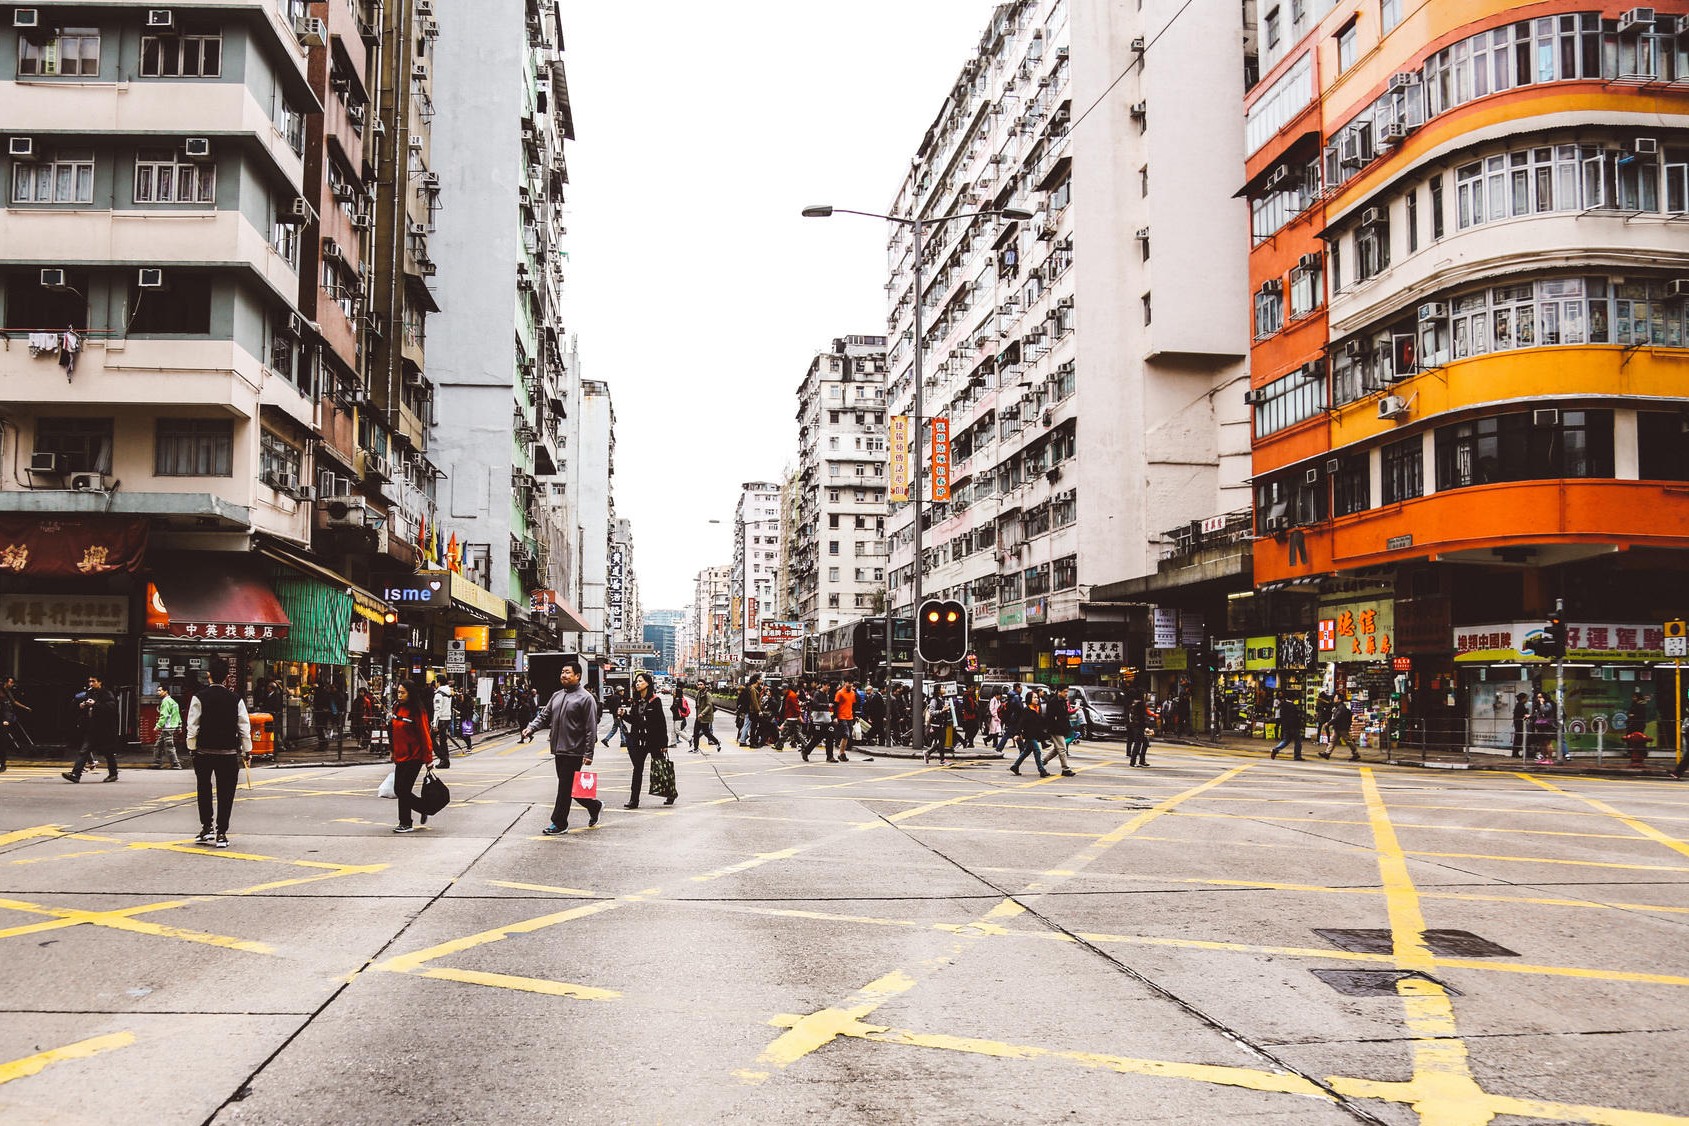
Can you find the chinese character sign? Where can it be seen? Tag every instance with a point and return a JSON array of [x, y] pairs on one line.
[[898, 447], [1357, 632], [941, 459]]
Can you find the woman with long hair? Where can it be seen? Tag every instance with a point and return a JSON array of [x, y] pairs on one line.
[[648, 732], [413, 749]]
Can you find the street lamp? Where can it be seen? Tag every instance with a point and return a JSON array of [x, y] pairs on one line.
[[917, 226]]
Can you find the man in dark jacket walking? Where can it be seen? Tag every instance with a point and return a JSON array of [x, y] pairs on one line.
[[1291, 721], [571, 715], [220, 737], [99, 732]]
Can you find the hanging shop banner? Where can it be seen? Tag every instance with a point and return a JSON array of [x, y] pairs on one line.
[[1295, 650], [101, 614], [1167, 660], [940, 459], [1102, 652], [71, 545], [1358, 632], [775, 632], [897, 443], [1232, 651], [1262, 654], [1165, 626], [1192, 629]]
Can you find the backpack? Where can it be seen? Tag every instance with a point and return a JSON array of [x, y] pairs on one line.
[[685, 707]]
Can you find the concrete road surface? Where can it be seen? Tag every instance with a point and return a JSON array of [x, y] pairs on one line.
[[1214, 939]]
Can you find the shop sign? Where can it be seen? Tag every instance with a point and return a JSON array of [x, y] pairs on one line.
[[64, 613], [357, 640], [1037, 611], [1103, 652], [1232, 653], [420, 591], [1402, 664], [1167, 660], [476, 639], [1069, 658], [504, 639], [1585, 641], [897, 445], [1261, 654], [1192, 630], [1296, 650], [1165, 627], [776, 632], [1358, 632], [940, 428], [1011, 616], [457, 656]]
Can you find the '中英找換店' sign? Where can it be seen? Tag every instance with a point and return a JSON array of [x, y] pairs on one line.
[[79, 614]]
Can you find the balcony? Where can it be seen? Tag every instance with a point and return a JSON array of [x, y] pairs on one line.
[[117, 372]]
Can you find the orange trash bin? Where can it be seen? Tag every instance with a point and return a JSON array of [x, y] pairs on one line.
[[263, 733]]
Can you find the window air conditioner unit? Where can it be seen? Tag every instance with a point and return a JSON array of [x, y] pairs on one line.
[[26, 17], [1636, 18], [1311, 477], [90, 482], [1433, 310], [1645, 146], [1331, 466], [376, 466], [356, 113], [281, 482], [149, 277], [1254, 396], [343, 511], [311, 32], [305, 493], [1309, 262], [1392, 407], [295, 325], [160, 19], [1139, 110], [1393, 133], [197, 148], [1138, 44], [296, 210], [1372, 216], [331, 249], [1272, 285], [1546, 417], [1280, 175], [1277, 523], [46, 463], [416, 142], [420, 72], [1678, 287], [53, 279], [22, 148], [1403, 80], [361, 221], [1143, 234]]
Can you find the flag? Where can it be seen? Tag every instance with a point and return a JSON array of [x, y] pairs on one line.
[[453, 563]]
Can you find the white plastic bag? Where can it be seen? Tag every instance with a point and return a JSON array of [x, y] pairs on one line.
[[388, 789]]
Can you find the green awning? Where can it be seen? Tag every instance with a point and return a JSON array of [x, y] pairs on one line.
[[321, 617]]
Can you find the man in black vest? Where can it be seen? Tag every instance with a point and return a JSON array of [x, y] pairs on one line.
[[220, 737], [98, 708]]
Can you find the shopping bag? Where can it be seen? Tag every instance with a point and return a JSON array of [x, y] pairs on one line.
[[468, 727], [586, 785], [387, 788], [434, 796], [662, 777]]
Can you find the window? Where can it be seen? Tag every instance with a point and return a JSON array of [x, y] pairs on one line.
[[832, 574], [1372, 250], [832, 547], [1037, 580], [833, 520], [1146, 307], [1389, 14], [30, 307], [1291, 399], [162, 176], [67, 177], [1662, 440], [1066, 572], [1306, 292], [1436, 207], [183, 306], [1525, 447], [1346, 47], [1404, 470], [285, 239], [198, 55], [1272, 111], [1271, 24], [1336, 256], [83, 444], [1351, 486], [196, 447], [1412, 220], [73, 51], [1269, 308]]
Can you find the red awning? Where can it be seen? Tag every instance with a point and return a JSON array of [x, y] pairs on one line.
[[217, 598]]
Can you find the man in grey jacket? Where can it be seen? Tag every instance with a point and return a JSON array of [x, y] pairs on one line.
[[572, 718]]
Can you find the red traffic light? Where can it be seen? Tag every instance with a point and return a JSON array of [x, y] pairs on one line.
[[943, 636]]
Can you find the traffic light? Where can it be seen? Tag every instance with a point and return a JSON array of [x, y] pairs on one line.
[[943, 632], [1550, 642]]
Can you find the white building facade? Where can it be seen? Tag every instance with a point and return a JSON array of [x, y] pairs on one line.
[[756, 564]]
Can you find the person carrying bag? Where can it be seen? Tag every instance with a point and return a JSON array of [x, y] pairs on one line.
[[413, 749]]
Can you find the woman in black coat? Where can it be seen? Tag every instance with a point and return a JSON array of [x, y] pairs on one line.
[[648, 732]]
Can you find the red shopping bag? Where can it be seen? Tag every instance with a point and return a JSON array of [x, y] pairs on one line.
[[586, 785]]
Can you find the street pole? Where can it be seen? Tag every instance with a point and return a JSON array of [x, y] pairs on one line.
[[1560, 681], [917, 700]]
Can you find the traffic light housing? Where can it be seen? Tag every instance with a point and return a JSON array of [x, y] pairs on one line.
[[1551, 642], [942, 631]]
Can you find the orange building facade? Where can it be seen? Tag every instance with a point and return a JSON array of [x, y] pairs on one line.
[[1470, 368]]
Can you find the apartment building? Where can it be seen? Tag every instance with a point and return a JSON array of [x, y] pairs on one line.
[[595, 455], [712, 609], [756, 566], [500, 415], [837, 503], [1468, 300], [625, 613], [1072, 452]]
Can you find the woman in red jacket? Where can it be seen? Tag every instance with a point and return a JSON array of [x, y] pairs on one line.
[[413, 748]]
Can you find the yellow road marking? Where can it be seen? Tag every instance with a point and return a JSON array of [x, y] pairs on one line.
[[524, 984], [539, 887], [81, 1050], [414, 961], [26, 834], [1554, 860], [1268, 820], [1639, 826], [123, 920]]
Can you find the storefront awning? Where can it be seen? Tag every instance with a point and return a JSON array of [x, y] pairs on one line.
[[364, 604], [215, 597], [71, 546], [322, 615], [469, 595]]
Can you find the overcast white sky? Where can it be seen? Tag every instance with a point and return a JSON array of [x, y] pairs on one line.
[[695, 287]]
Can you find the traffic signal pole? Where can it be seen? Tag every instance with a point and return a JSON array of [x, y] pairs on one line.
[[1560, 679]]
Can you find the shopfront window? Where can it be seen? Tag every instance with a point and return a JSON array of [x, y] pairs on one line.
[[1538, 445]]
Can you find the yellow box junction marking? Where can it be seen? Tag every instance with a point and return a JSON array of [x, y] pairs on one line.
[[81, 1050], [1637, 825]]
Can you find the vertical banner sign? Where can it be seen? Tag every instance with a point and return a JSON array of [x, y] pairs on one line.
[[940, 459], [898, 447]]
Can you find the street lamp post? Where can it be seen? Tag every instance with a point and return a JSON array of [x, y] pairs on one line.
[[917, 227]]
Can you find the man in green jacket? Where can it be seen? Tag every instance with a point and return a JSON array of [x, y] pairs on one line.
[[164, 732]]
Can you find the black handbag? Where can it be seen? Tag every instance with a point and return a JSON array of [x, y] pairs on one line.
[[433, 795], [662, 776]]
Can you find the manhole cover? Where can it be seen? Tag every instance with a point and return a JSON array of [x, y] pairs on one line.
[[1374, 983], [1443, 943]]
